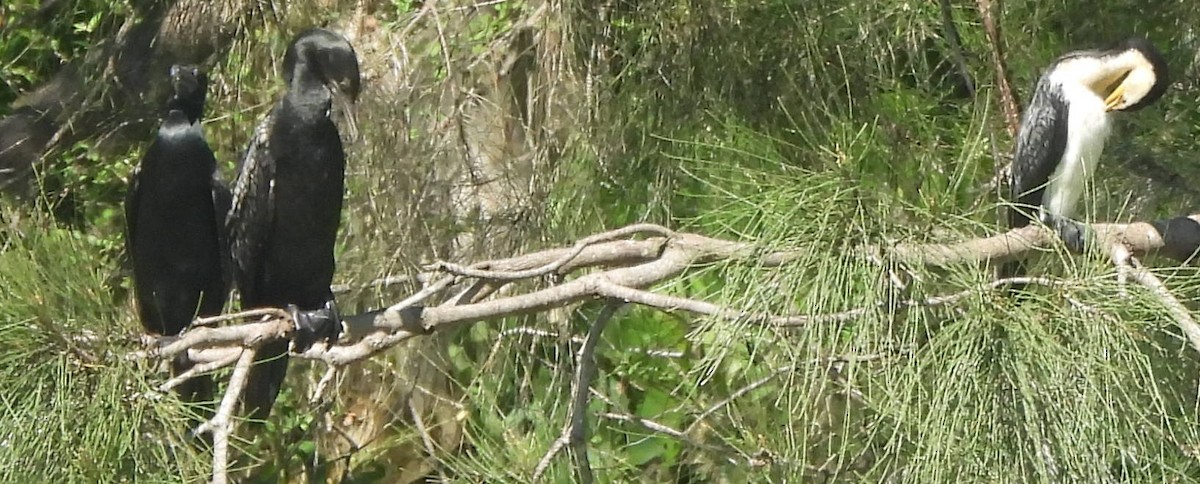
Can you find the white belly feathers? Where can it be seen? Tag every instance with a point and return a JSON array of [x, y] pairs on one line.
[[1088, 127]]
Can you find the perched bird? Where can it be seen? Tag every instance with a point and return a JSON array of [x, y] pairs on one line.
[[1064, 129], [174, 219], [287, 206]]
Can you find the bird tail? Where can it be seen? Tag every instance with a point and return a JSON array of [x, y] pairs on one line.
[[265, 380]]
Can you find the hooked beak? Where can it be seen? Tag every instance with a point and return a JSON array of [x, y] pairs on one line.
[[1115, 98], [344, 104]]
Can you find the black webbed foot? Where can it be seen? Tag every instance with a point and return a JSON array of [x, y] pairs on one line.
[[314, 325], [1072, 233]]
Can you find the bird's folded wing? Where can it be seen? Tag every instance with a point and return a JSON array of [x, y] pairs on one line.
[[251, 208], [1040, 147]]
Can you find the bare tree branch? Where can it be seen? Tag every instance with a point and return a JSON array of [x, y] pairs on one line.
[[672, 303], [1008, 100], [574, 435], [1130, 267], [318, 393], [625, 271], [221, 425], [633, 265], [637, 264], [199, 369], [478, 270], [1177, 238]]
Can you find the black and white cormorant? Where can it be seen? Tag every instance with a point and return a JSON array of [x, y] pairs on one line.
[[174, 214], [1064, 128], [287, 206]]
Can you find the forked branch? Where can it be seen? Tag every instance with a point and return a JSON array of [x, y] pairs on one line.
[[620, 266]]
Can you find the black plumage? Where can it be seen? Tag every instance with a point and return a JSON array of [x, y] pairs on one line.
[[1040, 144], [174, 209], [287, 206]]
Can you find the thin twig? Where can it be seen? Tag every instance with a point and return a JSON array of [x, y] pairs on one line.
[[741, 392], [477, 272], [198, 369], [672, 303], [322, 384], [544, 464], [426, 439], [738, 394], [1008, 100], [574, 435], [56, 332], [252, 313], [423, 294], [221, 425], [1178, 311]]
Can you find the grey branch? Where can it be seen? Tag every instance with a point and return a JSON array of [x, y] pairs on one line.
[[626, 269], [221, 425], [1177, 238], [1128, 266], [479, 271], [574, 435], [177, 380]]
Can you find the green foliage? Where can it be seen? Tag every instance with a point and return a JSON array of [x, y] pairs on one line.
[[817, 126], [74, 408], [844, 136], [38, 37]]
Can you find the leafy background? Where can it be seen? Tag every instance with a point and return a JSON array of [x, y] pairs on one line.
[[491, 129]]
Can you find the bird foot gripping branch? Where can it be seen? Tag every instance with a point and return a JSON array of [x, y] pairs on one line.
[[1073, 234], [315, 325]]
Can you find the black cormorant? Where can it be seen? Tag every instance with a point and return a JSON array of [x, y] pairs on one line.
[[287, 206], [174, 213], [1064, 128]]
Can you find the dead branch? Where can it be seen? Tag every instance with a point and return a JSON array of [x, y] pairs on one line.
[[1008, 100], [1177, 238], [478, 271], [199, 369], [625, 271], [574, 434], [221, 425], [1129, 266], [628, 267]]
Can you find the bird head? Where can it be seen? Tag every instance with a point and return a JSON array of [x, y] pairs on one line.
[[188, 86], [329, 55], [1134, 75], [330, 58]]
